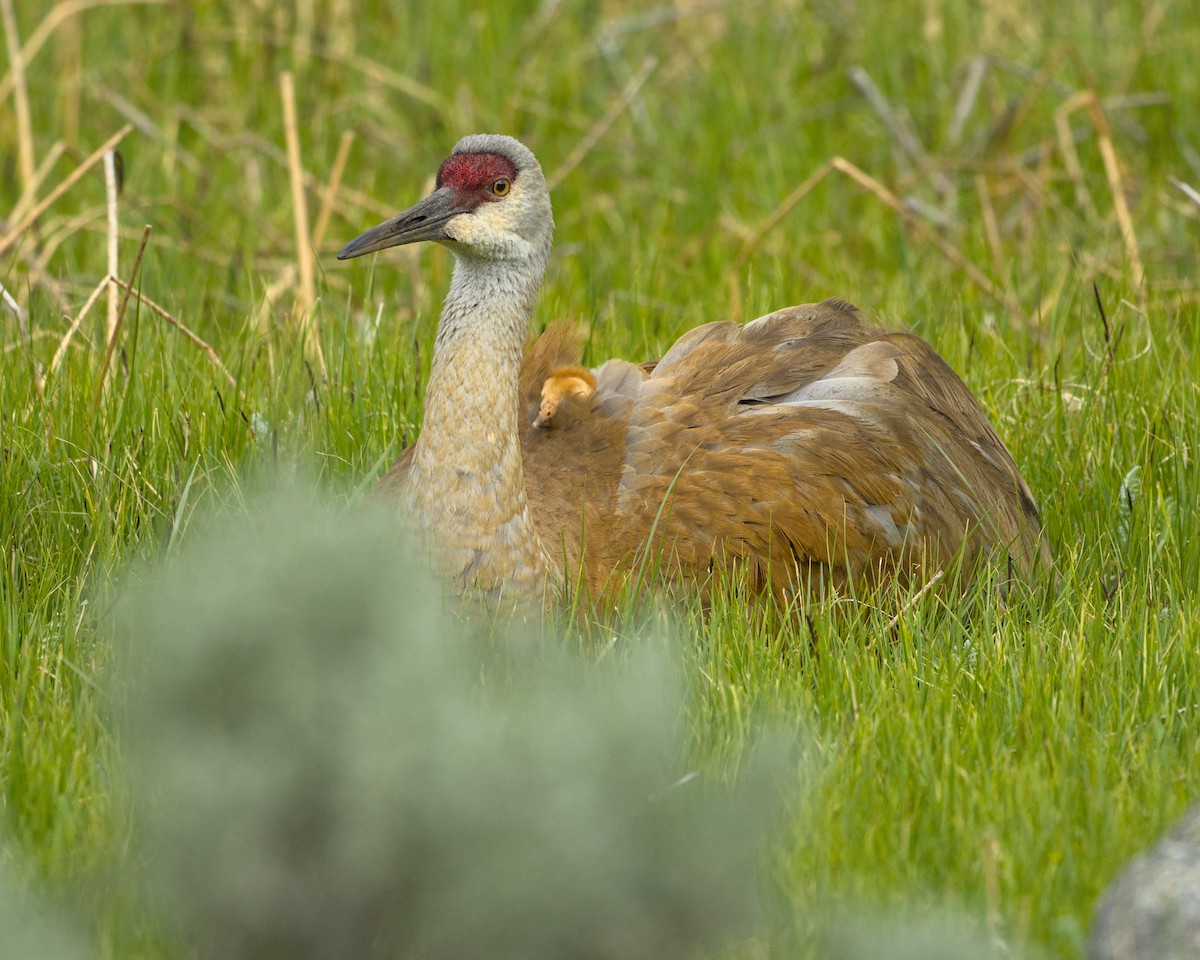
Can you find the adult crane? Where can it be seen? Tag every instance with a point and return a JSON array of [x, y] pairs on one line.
[[804, 448]]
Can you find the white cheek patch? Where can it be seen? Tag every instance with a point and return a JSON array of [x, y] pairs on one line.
[[462, 228], [476, 233]]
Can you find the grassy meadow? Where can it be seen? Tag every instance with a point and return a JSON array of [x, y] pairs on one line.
[[1015, 181]]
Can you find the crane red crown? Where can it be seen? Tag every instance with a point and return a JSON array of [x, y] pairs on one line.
[[473, 171]]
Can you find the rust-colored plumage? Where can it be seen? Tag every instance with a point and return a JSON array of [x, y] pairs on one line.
[[804, 445], [805, 448]]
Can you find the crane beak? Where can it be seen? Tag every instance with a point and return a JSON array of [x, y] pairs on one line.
[[425, 221]]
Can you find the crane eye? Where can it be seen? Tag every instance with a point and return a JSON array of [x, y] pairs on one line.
[[501, 187]]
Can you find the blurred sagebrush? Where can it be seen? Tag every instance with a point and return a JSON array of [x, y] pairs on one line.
[[326, 762], [30, 926]]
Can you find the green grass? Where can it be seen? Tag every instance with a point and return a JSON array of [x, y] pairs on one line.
[[1003, 765]]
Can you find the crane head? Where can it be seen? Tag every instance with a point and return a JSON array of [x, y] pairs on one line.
[[491, 203]]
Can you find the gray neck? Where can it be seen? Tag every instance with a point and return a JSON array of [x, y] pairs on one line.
[[490, 303], [467, 482]]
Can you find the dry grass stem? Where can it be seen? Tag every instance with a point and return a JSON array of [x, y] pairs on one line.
[[176, 153], [110, 192], [220, 141], [900, 130], [601, 126], [285, 282], [1066, 146], [355, 198], [899, 125], [76, 324], [1135, 101], [612, 53], [69, 68], [139, 118], [991, 229], [779, 213], [1116, 185], [948, 250], [178, 325], [26, 165], [112, 339], [1014, 117], [1033, 206], [397, 81], [976, 70], [56, 231], [304, 257], [737, 309], [1188, 191], [912, 601], [332, 185], [305, 266], [71, 179], [29, 194], [17, 311]]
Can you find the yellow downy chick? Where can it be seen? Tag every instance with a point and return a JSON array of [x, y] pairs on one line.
[[563, 382]]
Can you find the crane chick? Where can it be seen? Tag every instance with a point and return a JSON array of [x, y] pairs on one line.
[[564, 382]]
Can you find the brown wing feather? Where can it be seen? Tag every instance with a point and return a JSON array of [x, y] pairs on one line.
[[803, 443]]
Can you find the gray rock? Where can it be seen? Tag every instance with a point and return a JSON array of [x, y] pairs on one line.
[[1152, 910]]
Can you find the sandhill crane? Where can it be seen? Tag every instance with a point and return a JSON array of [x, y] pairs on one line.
[[804, 447]]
